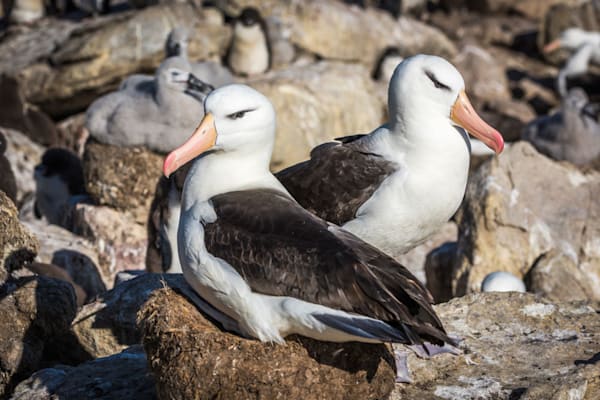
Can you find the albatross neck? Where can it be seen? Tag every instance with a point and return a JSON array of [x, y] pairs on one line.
[[227, 171]]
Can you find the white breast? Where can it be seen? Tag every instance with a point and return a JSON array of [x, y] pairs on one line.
[[412, 204]]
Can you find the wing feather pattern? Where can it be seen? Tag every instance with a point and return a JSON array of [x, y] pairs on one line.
[[283, 250], [337, 179]]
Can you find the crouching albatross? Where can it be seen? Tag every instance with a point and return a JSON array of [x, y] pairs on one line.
[[260, 259], [400, 183]]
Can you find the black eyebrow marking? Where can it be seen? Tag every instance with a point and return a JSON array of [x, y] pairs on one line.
[[240, 114], [435, 81]]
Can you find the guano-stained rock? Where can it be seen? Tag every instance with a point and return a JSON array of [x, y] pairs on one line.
[[508, 223], [516, 346]]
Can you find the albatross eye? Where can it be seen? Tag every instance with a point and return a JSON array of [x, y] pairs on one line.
[[436, 83], [236, 115], [239, 114]]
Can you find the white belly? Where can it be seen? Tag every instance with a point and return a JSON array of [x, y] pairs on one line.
[[404, 212]]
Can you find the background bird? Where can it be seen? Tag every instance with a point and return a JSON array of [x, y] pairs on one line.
[[585, 48], [150, 114], [572, 133], [59, 185], [249, 52]]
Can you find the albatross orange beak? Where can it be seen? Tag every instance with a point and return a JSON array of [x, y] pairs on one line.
[[203, 138], [464, 115], [553, 45]]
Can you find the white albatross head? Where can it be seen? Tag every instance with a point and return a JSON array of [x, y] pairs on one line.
[[237, 119], [429, 87]]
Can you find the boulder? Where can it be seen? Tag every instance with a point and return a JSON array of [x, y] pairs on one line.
[[558, 277], [123, 178], [516, 346], [18, 246], [192, 358], [34, 313], [17, 114], [108, 325], [120, 376], [485, 79], [329, 29], [317, 103], [23, 154], [77, 256], [91, 58], [120, 241], [508, 223]]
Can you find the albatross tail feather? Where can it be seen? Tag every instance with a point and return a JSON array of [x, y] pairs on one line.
[[367, 328]]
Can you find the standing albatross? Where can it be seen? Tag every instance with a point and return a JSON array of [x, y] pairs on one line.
[[255, 255], [399, 184]]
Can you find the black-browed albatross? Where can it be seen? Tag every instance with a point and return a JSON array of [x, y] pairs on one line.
[[249, 250], [399, 184]]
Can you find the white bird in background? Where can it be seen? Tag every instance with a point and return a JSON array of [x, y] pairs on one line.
[[502, 281], [585, 47], [572, 133], [247, 248], [249, 53]]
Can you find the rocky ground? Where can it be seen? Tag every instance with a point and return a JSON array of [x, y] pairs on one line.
[[86, 322]]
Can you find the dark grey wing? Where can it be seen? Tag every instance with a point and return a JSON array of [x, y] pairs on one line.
[[160, 252], [281, 249], [337, 179]]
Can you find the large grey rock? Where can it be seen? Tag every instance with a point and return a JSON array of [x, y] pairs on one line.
[[330, 29], [75, 254], [23, 154], [108, 325], [317, 103], [16, 113], [90, 58], [18, 246], [120, 376], [34, 313], [120, 241], [521, 207], [485, 79], [516, 346], [192, 358]]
